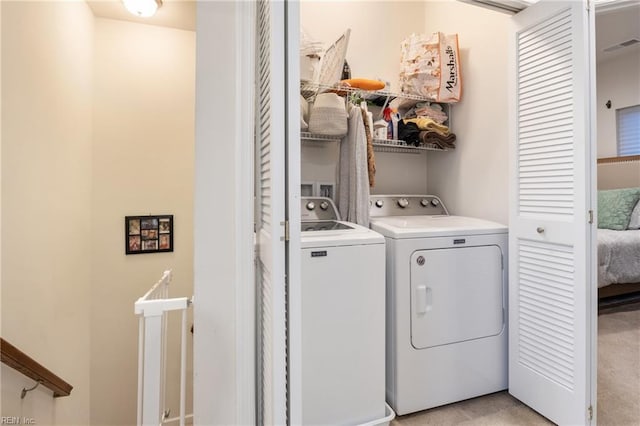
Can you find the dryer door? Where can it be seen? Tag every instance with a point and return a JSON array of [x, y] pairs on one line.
[[456, 295]]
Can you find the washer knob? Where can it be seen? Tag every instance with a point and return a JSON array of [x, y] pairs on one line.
[[379, 203], [435, 202], [424, 202], [324, 205], [311, 205], [403, 202]]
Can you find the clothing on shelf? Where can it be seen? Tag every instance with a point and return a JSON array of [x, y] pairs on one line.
[[426, 123], [409, 132], [423, 131], [435, 138], [410, 108], [434, 112]]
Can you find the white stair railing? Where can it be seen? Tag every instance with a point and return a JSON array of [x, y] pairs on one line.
[[153, 308]]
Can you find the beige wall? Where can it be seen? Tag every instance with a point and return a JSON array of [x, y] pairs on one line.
[[46, 196], [617, 80], [377, 29], [38, 405], [142, 164], [98, 123], [473, 179]]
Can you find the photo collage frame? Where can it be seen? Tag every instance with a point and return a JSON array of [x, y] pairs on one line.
[[148, 234]]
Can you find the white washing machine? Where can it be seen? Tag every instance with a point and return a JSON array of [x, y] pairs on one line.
[[343, 340], [445, 305]]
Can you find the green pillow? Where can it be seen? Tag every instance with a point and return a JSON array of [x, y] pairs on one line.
[[615, 207]]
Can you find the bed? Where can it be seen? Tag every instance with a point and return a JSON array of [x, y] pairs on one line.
[[618, 249], [618, 257]]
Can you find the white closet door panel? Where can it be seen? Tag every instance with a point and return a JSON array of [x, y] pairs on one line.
[[534, 110], [550, 358], [270, 213], [547, 40]]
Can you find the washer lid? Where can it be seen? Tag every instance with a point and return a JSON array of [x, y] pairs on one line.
[[434, 226], [323, 225], [354, 235]]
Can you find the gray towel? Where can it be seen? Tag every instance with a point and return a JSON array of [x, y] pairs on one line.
[[353, 175]]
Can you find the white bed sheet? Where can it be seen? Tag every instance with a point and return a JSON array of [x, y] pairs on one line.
[[618, 257]]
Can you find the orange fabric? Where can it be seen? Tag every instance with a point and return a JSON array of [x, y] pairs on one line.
[[364, 84]]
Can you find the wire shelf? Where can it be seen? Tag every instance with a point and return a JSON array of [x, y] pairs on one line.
[[309, 91], [306, 136], [399, 146], [382, 145]]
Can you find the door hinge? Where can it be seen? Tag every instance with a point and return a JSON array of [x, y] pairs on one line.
[[590, 412], [588, 4], [286, 229], [590, 216], [502, 262]]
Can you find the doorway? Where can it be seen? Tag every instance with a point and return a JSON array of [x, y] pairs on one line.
[[618, 87]]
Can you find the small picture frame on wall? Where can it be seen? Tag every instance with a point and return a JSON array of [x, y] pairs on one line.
[[148, 234]]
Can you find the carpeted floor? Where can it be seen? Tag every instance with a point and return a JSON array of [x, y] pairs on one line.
[[619, 365], [618, 384]]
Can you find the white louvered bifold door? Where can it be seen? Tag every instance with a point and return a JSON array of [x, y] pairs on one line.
[[270, 213], [551, 284]]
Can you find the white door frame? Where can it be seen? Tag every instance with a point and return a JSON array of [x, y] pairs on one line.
[[294, 293], [245, 301], [224, 336]]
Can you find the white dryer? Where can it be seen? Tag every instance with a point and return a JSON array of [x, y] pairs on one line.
[[445, 305], [343, 342]]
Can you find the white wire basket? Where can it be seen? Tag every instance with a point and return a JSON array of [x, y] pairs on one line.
[[331, 66]]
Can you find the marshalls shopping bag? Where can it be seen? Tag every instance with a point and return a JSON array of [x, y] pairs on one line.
[[430, 67]]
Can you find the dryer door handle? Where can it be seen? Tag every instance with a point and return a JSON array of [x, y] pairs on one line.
[[424, 299]]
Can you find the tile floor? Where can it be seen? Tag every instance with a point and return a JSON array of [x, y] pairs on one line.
[[618, 384]]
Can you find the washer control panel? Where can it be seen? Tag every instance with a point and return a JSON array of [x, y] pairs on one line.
[[406, 205], [318, 208]]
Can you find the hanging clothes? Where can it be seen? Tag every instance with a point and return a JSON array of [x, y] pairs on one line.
[[353, 176], [367, 119]]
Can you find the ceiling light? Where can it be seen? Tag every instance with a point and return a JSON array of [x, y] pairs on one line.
[[142, 8]]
